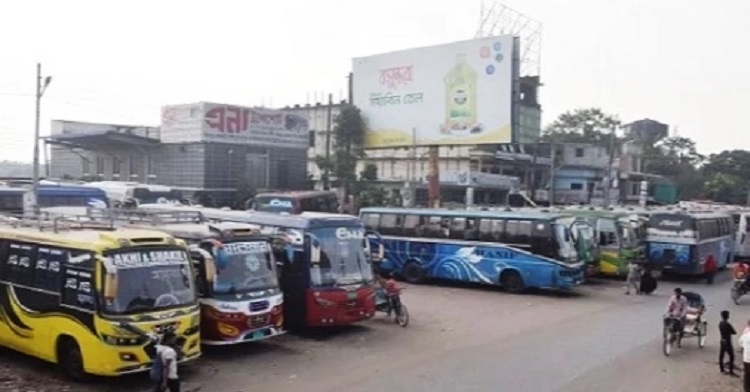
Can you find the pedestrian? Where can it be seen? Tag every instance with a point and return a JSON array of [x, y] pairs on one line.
[[745, 345], [633, 279], [167, 355], [726, 331]]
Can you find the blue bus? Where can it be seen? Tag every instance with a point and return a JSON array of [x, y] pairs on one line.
[[12, 199], [516, 250], [682, 242]]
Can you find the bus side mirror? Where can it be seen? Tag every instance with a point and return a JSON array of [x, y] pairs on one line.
[[381, 252], [314, 249], [289, 252], [110, 286]]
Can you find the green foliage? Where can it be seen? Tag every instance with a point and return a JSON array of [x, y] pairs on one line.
[[347, 148], [369, 194], [583, 126]]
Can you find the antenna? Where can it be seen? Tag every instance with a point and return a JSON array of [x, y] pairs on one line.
[[496, 18]]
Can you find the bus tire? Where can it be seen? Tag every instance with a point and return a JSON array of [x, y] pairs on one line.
[[70, 359], [413, 273], [512, 282]]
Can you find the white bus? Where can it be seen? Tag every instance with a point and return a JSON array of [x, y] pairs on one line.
[[119, 192]]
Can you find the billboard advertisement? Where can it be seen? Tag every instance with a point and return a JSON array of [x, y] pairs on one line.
[[452, 94], [219, 123]]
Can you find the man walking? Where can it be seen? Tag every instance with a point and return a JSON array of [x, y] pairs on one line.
[[634, 278], [745, 344], [726, 331], [167, 355]]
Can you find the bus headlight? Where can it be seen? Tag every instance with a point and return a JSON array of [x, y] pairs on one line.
[[120, 341]]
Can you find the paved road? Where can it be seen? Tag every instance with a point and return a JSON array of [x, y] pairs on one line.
[[475, 339]]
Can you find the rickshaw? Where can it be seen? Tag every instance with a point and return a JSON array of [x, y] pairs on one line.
[[694, 324]]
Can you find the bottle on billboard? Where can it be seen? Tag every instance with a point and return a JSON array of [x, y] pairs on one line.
[[461, 99]]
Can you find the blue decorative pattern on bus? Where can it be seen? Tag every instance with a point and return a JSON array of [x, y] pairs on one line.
[[667, 253]]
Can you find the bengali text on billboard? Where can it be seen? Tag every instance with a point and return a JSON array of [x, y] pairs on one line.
[[458, 93]]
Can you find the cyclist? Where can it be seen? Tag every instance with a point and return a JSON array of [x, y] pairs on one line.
[[677, 309]]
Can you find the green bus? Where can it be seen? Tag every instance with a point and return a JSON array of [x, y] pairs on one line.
[[618, 235]]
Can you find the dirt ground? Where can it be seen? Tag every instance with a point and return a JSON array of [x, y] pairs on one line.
[[460, 338]]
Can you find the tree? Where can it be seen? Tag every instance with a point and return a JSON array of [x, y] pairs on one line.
[[368, 192], [348, 148], [677, 159], [728, 176], [590, 125]]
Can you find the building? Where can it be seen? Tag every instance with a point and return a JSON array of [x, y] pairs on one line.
[[581, 173], [227, 151], [646, 130]]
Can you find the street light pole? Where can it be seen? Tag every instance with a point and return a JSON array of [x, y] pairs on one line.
[[608, 184], [40, 87]]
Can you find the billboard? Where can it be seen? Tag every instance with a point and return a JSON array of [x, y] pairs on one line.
[[452, 94], [219, 123]]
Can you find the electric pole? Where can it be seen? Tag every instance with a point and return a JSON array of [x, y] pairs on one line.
[[40, 88], [327, 172]]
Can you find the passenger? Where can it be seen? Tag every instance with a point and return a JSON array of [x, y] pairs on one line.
[[633, 279]]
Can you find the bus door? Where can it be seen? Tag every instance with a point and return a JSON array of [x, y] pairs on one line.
[[294, 280]]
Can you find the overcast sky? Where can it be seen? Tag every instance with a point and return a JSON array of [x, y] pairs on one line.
[[682, 62]]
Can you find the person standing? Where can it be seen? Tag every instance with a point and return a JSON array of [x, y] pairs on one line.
[[745, 344], [633, 278], [166, 353], [710, 269], [726, 331]]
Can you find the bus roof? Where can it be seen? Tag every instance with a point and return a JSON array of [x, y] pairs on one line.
[[91, 239], [299, 194], [208, 230], [527, 215], [306, 220], [692, 214]]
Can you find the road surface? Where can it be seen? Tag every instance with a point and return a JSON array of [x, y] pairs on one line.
[[475, 339]]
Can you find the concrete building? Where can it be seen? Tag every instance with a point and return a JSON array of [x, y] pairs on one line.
[[646, 130], [224, 150]]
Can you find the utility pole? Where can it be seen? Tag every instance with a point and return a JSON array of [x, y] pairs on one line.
[[327, 172], [39, 92], [608, 184], [551, 193]]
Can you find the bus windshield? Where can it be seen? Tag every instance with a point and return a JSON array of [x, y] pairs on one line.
[[151, 279], [342, 258], [274, 204], [565, 241], [248, 266]]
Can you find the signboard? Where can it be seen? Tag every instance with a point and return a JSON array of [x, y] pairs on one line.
[[219, 123], [458, 93]]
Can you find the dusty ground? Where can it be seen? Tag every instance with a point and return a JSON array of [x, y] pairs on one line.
[[460, 338]]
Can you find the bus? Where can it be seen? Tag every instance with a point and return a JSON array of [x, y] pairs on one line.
[[618, 237], [86, 298], [682, 242], [741, 220], [17, 201], [327, 277], [121, 192], [296, 202], [516, 250], [241, 301]]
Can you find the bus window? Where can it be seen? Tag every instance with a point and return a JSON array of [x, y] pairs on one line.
[[512, 230], [19, 267], [471, 233], [524, 232], [457, 228], [389, 224], [410, 226], [499, 233], [48, 264], [372, 221], [485, 230]]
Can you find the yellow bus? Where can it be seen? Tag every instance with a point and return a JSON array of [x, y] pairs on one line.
[[94, 300]]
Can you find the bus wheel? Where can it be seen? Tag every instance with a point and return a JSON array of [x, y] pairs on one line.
[[413, 273], [512, 282], [70, 360]]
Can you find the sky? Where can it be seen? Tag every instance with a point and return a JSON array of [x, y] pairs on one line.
[[681, 62]]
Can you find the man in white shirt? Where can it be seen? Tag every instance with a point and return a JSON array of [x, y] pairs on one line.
[[745, 345], [165, 351]]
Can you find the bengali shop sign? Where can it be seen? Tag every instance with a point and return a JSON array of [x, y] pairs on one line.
[[459, 93]]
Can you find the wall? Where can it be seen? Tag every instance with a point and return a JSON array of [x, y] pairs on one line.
[[593, 156]]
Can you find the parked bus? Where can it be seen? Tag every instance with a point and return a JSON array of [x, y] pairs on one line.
[[242, 300], [16, 201], [682, 242], [328, 280], [741, 241], [296, 202], [618, 238], [86, 299], [121, 192], [516, 250]]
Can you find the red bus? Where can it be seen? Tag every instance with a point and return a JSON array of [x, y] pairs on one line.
[[326, 273], [296, 202]]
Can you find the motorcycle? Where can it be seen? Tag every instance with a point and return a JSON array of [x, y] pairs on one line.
[[391, 304]]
